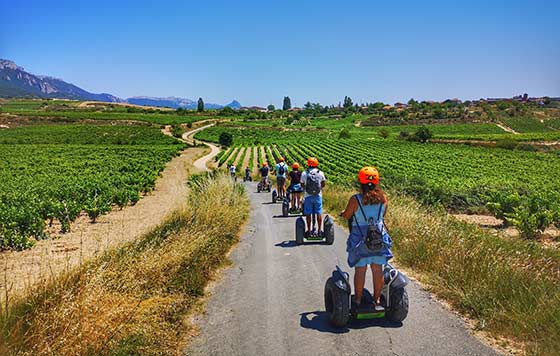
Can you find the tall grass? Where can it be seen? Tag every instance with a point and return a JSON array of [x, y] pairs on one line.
[[133, 300], [511, 287]]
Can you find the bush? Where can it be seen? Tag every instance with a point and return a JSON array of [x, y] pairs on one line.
[[384, 133], [506, 143], [226, 139], [423, 134], [344, 133]]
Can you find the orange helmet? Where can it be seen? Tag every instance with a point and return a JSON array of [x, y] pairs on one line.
[[312, 162], [265, 164], [295, 165], [281, 159], [368, 175]]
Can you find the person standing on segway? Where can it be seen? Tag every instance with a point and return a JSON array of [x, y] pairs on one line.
[[247, 174], [363, 211], [264, 171], [313, 182], [295, 187], [281, 170]]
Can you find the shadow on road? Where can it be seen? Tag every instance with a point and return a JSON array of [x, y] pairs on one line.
[[286, 244], [284, 217], [318, 320]]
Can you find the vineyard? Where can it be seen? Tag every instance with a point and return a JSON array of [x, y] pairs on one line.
[[461, 178], [51, 174]]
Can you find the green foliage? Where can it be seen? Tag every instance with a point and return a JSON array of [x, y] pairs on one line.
[[344, 133], [52, 173], [423, 134], [384, 133], [200, 105], [270, 107], [287, 103], [226, 139]]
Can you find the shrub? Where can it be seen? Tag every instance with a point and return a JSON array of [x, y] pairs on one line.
[[344, 133], [383, 132], [226, 139]]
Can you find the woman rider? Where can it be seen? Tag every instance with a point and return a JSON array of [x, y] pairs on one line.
[[370, 203], [295, 186]]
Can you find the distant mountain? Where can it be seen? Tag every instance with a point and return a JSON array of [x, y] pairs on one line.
[[234, 105], [16, 82], [175, 103]]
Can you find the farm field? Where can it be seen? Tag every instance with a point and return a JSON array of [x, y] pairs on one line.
[[53, 173], [460, 178]]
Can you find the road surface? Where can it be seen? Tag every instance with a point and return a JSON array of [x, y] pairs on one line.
[[271, 303]]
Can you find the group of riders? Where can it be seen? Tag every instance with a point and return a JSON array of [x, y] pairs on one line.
[[362, 211]]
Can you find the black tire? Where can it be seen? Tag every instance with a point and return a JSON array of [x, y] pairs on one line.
[[337, 304], [274, 196], [398, 310], [329, 230], [300, 230], [285, 209]]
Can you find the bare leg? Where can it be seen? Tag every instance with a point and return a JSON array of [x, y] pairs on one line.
[[359, 282], [378, 281], [319, 222], [308, 219]]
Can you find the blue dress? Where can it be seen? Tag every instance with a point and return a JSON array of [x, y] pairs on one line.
[[358, 254]]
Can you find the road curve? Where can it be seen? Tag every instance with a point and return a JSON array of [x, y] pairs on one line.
[[271, 303], [201, 164]]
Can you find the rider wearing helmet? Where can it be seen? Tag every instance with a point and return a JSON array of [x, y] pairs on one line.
[[313, 182], [281, 171], [264, 171], [364, 209], [295, 186], [232, 170]]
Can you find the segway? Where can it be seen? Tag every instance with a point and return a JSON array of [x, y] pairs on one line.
[[338, 294], [263, 187], [286, 211], [327, 236], [275, 197]]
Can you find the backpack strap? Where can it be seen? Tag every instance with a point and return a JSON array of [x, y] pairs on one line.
[[361, 208], [356, 219]]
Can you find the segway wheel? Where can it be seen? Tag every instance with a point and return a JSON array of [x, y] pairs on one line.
[[398, 309], [329, 230], [258, 188], [300, 230], [274, 196], [285, 208], [337, 304]]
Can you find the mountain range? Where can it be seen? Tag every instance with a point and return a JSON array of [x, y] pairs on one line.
[[16, 82]]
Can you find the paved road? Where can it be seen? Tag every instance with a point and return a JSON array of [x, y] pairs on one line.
[[271, 303]]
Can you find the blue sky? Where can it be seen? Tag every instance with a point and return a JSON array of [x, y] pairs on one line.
[[259, 51]]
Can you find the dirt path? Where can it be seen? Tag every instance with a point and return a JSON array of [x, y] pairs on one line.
[[507, 128], [255, 158], [239, 155], [51, 257], [204, 163], [247, 158]]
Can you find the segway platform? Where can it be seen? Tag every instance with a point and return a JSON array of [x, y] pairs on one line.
[[327, 236], [340, 310]]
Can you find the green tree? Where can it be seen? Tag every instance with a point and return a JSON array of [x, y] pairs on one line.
[[200, 105], [226, 139], [423, 134], [347, 102], [439, 114], [270, 107], [287, 104], [344, 133], [383, 132]]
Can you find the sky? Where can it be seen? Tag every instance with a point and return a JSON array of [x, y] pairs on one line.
[[258, 51]]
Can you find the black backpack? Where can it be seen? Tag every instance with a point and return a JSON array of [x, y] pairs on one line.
[[374, 235], [281, 169]]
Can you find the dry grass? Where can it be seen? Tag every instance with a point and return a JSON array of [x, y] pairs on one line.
[[510, 287], [133, 300]]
